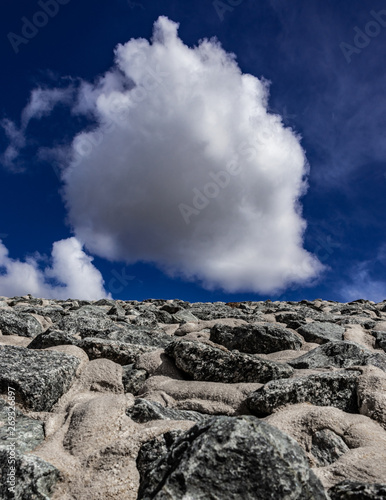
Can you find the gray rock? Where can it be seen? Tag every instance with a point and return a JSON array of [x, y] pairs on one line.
[[52, 338], [122, 353], [34, 479], [133, 334], [232, 458], [327, 446], [204, 362], [152, 450], [39, 378], [22, 324], [321, 332], [352, 490], [292, 319], [380, 339], [343, 354], [26, 433], [255, 339], [133, 379], [325, 389], [145, 411], [184, 316], [119, 352], [23, 476], [87, 320]]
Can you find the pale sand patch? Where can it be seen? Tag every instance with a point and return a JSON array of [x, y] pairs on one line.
[[14, 340], [207, 397], [357, 334]]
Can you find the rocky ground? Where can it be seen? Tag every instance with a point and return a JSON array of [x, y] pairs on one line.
[[175, 400]]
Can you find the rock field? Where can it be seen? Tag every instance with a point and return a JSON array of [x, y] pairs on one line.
[[166, 399]]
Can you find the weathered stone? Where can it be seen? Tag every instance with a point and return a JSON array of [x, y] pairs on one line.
[[321, 332], [184, 316], [145, 411], [22, 324], [133, 379], [327, 446], [52, 338], [204, 362], [343, 354], [25, 433], [35, 479], [133, 334], [152, 450], [325, 389], [86, 321], [232, 458], [39, 378], [119, 352], [352, 490], [255, 339], [380, 339]]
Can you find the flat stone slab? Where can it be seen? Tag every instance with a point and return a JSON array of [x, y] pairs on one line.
[[336, 389], [204, 362], [343, 354], [39, 378], [255, 339], [321, 332]]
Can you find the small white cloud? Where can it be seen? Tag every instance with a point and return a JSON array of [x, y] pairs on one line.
[[71, 274]]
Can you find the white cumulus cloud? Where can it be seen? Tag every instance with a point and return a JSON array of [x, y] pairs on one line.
[[188, 170], [70, 275]]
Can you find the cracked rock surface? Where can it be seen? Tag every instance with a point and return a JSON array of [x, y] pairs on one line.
[[166, 399]]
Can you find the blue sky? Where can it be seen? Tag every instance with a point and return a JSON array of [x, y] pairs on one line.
[[303, 219]]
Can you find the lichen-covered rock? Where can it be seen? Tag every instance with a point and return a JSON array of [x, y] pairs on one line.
[[133, 379], [22, 324], [26, 433], [353, 490], [321, 332], [119, 352], [341, 354], [22, 476], [240, 458], [33, 479], [144, 411], [204, 362], [133, 334], [327, 446], [52, 338], [255, 338], [86, 321], [336, 389], [380, 339], [152, 451], [39, 378]]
